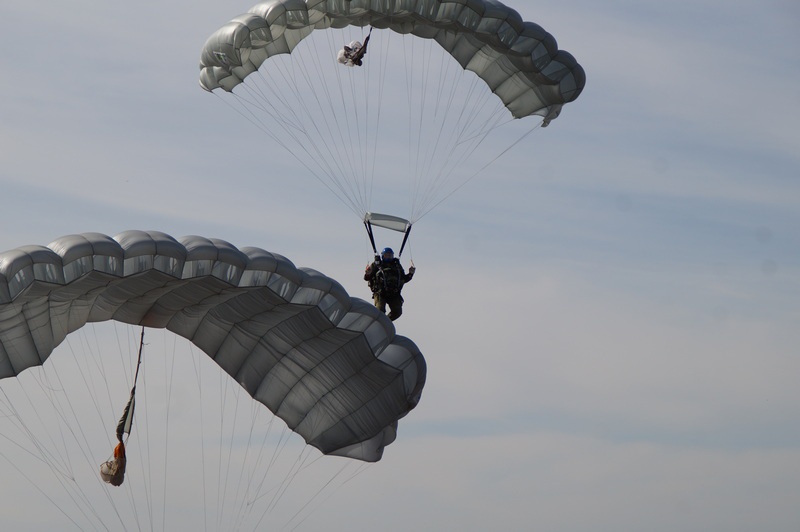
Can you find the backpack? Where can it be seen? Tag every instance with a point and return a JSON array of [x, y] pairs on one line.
[[388, 278]]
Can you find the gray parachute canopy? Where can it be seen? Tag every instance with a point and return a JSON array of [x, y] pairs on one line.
[[518, 60], [329, 365]]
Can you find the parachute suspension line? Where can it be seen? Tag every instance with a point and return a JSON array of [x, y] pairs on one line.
[[250, 116], [331, 128], [299, 465], [382, 67], [470, 136], [57, 463], [313, 497], [415, 126], [273, 460], [445, 92], [308, 149], [198, 376], [360, 124], [373, 72], [27, 477], [238, 496], [223, 386], [454, 109], [441, 182], [367, 109], [345, 109], [360, 468], [242, 507], [61, 477], [63, 404], [60, 406], [298, 148], [335, 142], [480, 170], [232, 511], [361, 111], [171, 379], [238, 508], [446, 95], [458, 120], [223, 495]]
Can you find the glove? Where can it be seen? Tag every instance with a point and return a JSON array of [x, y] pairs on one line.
[[411, 270]]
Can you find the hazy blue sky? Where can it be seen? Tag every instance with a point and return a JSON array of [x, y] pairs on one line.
[[609, 317]]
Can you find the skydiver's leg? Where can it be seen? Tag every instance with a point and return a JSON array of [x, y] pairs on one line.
[[395, 306], [380, 302]]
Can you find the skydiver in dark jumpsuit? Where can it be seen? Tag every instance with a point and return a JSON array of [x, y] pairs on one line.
[[386, 278]]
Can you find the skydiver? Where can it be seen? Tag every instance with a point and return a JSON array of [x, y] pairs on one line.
[[386, 278], [353, 54]]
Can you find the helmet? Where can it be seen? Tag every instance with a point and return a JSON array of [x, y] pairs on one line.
[[387, 254]]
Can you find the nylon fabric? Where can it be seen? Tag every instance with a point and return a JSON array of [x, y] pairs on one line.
[[518, 60], [328, 364]]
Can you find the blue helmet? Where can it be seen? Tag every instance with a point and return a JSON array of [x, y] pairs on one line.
[[387, 254]]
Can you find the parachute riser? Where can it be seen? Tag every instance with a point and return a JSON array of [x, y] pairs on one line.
[[405, 239], [368, 227]]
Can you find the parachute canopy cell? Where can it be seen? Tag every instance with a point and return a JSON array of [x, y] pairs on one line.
[[329, 365], [518, 60]]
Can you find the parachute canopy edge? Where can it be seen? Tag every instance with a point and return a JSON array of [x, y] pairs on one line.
[[206, 290]]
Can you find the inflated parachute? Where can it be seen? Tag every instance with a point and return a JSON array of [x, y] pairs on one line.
[[329, 365], [517, 62]]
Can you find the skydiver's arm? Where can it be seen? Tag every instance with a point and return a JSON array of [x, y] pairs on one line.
[[369, 273], [407, 276]]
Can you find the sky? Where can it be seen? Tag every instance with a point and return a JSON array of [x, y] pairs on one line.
[[609, 317]]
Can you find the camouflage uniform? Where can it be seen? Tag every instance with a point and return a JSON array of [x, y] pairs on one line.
[[386, 280]]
